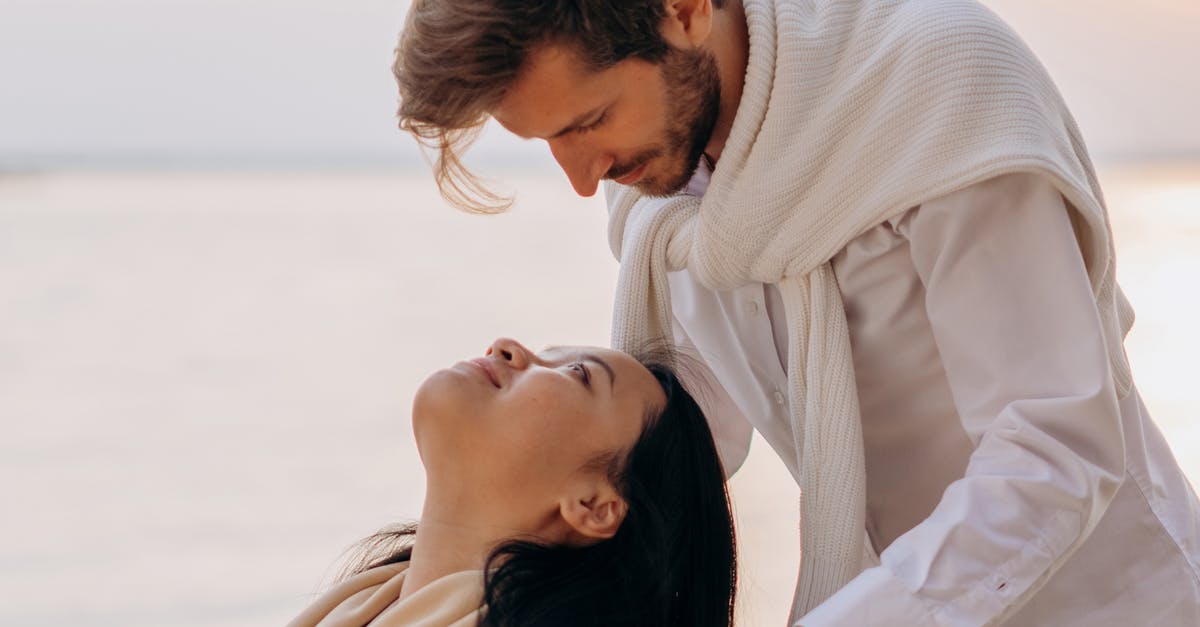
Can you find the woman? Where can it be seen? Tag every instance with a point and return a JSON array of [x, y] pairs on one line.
[[571, 487]]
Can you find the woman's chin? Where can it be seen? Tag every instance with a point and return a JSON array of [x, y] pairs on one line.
[[434, 398], [445, 412], [439, 389]]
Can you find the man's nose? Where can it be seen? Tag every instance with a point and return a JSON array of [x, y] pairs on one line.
[[584, 166], [510, 351]]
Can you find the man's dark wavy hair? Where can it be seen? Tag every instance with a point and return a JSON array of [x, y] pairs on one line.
[[671, 562], [456, 59]]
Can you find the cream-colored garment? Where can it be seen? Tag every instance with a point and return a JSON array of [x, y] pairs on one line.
[[371, 598], [852, 112], [975, 336]]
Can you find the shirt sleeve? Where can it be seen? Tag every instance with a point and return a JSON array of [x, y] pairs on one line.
[[730, 430], [1019, 335]]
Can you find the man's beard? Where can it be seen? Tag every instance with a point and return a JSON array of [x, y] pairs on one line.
[[693, 93]]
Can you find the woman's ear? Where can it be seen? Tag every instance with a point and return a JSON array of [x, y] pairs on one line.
[[688, 22], [595, 513]]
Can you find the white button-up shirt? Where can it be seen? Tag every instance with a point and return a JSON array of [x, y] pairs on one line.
[[1005, 480]]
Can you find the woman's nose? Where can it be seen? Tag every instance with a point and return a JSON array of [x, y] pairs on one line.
[[511, 352]]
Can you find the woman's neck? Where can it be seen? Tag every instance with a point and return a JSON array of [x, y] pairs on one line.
[[445, 543], [454, 536]]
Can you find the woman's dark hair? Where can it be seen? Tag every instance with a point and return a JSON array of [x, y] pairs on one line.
[[457, 58], [671, 562]]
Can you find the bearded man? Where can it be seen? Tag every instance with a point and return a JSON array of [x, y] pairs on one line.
[[877, 224]]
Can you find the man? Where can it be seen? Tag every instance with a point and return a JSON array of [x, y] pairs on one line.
[[877, 224]]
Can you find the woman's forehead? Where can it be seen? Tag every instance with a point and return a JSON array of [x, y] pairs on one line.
[[560, 351]]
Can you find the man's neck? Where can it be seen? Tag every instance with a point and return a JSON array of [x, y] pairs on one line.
[[731, 46]]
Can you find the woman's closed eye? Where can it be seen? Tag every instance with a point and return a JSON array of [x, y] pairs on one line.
[[584, 375]]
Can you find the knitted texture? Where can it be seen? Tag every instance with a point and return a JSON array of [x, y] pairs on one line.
[[853, 111]]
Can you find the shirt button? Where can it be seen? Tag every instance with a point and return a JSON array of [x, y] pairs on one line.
[[779, 398], [752, 308]]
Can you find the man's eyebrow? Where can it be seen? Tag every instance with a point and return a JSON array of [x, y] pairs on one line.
[[578, 122]]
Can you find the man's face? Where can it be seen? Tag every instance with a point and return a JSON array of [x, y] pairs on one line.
[[638, 123]]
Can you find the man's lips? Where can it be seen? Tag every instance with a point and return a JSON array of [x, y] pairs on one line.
[[632, 177], [488, 369]]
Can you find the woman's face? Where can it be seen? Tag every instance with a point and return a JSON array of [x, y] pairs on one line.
[[513, 428]]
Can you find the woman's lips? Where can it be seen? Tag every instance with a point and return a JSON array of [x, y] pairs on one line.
[[633, 177], [489, 371]]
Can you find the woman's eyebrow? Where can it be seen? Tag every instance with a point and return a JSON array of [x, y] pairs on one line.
[[594, 358], [612, 376]]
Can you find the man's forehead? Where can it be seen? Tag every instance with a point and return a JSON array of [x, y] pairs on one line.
[[553, 87], [556, 56]]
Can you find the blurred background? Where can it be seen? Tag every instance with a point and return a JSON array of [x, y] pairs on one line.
[[223, 273]]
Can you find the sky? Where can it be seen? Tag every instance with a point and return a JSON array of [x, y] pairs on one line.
[[237, 82]]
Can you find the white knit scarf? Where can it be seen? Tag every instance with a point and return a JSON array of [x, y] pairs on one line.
[[853, 111]]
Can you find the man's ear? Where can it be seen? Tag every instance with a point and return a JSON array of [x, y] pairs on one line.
[[595, 511], [688, 22]]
